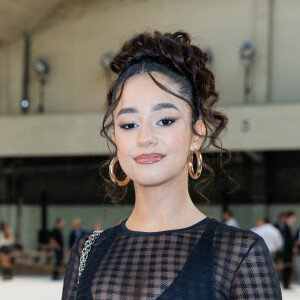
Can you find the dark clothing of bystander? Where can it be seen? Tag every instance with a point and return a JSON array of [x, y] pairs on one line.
[[75, 235], [56, 234], [297, 238], [297, 246], [287, 256]]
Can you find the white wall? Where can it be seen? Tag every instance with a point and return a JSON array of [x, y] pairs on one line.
[[73, 43], [251, 128], [286, 49], [11, 76]]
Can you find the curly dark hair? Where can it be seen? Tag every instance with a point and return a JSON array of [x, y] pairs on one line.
[[172, 55]]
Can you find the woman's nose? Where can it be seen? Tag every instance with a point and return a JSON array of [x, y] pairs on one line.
[[146, 136]]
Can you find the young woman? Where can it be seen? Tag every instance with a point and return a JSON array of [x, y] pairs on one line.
[[6, 246], [162, 117]]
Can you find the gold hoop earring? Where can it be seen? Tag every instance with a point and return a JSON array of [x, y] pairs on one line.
[[193, 174], [113, 176]]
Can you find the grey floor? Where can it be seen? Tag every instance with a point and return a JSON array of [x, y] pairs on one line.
[[42, 288]]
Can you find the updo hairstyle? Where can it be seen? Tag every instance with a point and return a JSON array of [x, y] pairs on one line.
[[172, 55]]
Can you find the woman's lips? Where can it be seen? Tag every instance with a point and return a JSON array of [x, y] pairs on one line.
[[152, 158]]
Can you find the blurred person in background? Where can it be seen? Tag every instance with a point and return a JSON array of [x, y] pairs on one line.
[[97, 226], [57, 243], [291, 218], [280, 225], [287, 254], [270, 234], [6, 246], [229, 219], [76, 232], [297, 253]]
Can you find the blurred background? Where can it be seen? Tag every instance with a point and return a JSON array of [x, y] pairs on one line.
[[54, 58]]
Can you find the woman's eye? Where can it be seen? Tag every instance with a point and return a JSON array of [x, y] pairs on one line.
[[166, 122], [128, 126]]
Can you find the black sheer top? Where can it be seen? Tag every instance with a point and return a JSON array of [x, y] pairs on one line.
[[208, 260]]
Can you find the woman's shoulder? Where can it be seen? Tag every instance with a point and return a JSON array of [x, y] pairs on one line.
[[235, 234], [236, 251], [235, 241]]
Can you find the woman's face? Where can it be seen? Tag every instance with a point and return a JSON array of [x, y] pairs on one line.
[[152, 131]]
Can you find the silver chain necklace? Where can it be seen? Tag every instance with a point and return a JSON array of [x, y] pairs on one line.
[[86, 249]]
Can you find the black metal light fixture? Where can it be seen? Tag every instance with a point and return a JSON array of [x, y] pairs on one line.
[[106, 59], [25, 93], [247, 56], [209, 54], [41, 67]]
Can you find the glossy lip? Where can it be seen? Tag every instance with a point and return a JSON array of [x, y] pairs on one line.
[[146, 159]]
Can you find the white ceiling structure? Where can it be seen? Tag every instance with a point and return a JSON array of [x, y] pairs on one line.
[[21, 16]]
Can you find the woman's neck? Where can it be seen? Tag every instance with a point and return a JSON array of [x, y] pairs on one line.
[[164, 207]]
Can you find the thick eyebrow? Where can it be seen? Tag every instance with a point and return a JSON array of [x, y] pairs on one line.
[[156, 107], [160, 106], [128, 110]]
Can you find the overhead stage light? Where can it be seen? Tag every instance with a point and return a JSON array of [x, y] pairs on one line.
[[24, 104], [247, 52], [106, 59], [247, 55], [209, 54], [41, 67]]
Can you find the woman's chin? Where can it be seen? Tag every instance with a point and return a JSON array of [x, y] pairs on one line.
[[150, 181]]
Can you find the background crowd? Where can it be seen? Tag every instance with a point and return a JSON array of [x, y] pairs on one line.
[[281, 238], [282, 242]]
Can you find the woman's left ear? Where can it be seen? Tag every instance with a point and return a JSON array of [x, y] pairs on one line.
[[197, 139]]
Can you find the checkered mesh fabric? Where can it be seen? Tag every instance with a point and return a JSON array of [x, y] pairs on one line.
[[242, 266], [253, 278], [71, 276], [142, 266]]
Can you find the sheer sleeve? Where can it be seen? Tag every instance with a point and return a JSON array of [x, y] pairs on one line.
[[71, 276], [256, 277]]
